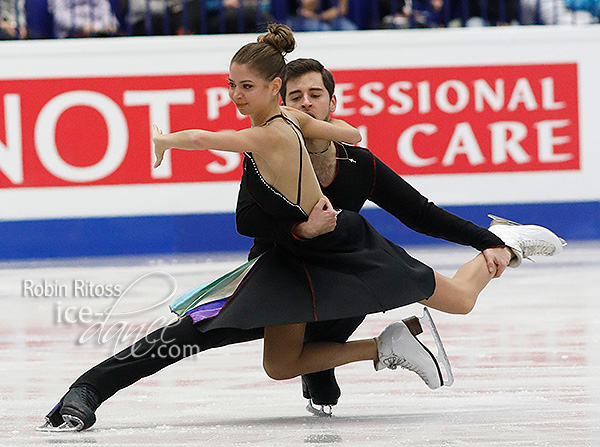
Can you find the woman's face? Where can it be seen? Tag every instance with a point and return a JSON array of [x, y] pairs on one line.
[[248, 90]]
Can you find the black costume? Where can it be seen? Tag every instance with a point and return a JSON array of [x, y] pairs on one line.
[[367, 178], [348, 272], [360, 176]]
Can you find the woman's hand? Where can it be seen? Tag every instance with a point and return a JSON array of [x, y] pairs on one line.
[[159, 145]]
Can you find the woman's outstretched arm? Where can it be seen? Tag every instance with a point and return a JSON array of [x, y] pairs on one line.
[[254, 139]]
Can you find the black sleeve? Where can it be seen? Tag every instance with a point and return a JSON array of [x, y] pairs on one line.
[[393, 194], [251, 220]]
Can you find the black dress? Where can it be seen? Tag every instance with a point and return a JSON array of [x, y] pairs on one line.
[[361, 176], [351, 271]]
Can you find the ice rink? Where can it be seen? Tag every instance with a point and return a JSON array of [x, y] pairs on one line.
[[526, 362]]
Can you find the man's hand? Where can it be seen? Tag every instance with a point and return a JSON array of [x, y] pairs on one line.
[[322, 219], [497, 260]]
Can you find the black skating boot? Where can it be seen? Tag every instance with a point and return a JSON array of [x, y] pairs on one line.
[[75, 411], [322, 391]]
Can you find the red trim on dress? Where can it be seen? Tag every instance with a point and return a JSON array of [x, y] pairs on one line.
[[312, 291], [374, 175]]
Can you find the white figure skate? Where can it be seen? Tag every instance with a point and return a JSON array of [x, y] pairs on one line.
[[398, 346], [526, 240]]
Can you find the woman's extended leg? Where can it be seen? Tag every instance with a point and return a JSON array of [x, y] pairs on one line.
[[458, 295]]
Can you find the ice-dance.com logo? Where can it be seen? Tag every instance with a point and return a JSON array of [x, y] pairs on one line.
[[114, 322]]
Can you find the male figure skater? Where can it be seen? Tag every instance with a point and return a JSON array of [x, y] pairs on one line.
[[349, 176]]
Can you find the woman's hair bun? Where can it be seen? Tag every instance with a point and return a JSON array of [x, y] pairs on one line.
[[279, 36]]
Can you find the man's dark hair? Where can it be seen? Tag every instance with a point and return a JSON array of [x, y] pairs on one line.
[[299, 67]]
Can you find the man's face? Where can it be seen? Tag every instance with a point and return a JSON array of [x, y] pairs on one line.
[[308, 94]]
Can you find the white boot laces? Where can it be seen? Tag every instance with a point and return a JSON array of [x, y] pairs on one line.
[[536, 247], [394, 361]]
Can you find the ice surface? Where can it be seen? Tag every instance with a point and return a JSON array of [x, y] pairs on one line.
[[526, 363]]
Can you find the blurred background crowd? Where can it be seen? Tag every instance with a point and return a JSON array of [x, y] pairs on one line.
[[47, 19]]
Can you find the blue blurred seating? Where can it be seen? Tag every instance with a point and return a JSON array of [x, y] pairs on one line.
[[366, 14], [39, 19]]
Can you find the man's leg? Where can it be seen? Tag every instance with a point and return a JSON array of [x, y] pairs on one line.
[[156, 351], [145, 357]]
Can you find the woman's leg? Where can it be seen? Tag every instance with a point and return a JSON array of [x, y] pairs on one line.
[[286, 355], [322, 387], [458, 295]]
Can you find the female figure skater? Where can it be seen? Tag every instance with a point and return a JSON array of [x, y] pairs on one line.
[[348, 272], [293, 283]]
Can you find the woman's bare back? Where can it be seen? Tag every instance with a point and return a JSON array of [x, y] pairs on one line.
[[280, 166]]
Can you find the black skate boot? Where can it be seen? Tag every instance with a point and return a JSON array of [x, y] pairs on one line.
[[74, 412], [322, 391]]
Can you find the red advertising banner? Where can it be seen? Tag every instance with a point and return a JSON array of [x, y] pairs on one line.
[[96, 131], [467, 119]]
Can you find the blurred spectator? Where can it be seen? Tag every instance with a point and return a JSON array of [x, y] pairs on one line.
[[410, 13], [83, 18], [591, 6], [224, 16], [319, 15], [486, 12], [10, 16], [151, 17], [553, 12], [394, 14]]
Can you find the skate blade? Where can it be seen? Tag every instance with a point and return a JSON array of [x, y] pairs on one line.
[[441, 355], [71, 423], [502, 220], [323, 411]]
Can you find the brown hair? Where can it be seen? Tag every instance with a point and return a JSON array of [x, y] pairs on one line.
[[300, 67], [266, 55]]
